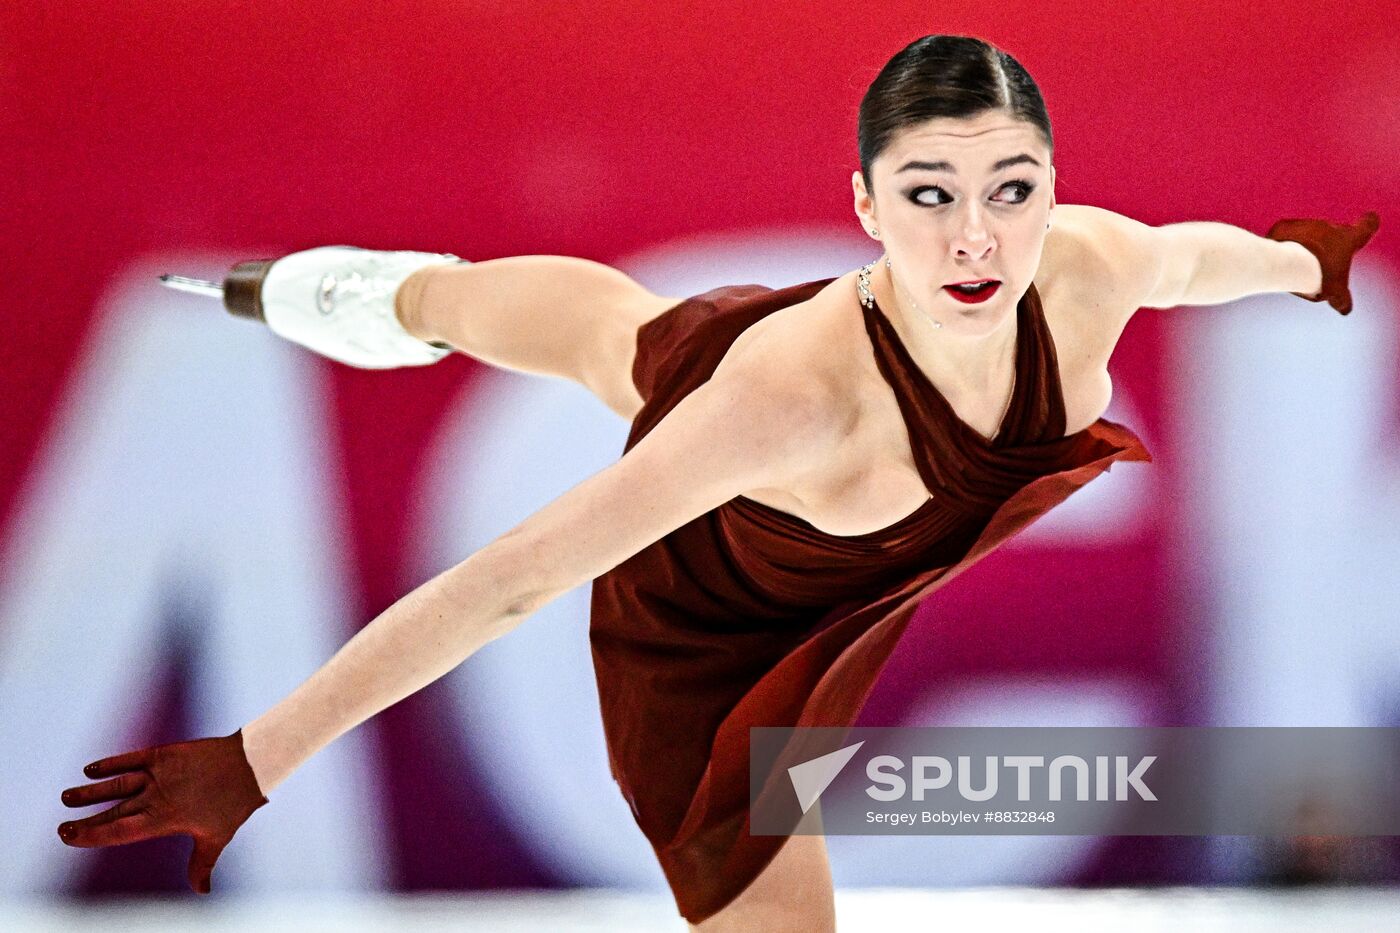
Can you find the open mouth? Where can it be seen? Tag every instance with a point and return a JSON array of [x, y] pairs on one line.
[[979, 292], [974, 289]]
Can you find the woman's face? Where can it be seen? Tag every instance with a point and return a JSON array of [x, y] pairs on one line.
[[958, 200]]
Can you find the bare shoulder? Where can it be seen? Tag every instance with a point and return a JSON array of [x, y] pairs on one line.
[[1124, 259], [790, 358], [806, 359], [1097, 269]]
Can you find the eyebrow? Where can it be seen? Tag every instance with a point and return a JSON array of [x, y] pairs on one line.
[[948, 166]]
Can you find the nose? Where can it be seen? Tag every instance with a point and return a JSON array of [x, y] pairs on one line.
[[972, 240]]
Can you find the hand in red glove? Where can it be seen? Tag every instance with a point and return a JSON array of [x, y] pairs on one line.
[[1333, 245], [203, 788]]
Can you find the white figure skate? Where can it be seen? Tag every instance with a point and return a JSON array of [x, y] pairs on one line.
[[335, 300]]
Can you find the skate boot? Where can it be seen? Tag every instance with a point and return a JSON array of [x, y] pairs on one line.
[[337, 301]]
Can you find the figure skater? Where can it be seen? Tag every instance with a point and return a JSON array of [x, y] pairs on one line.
[[804, 465]]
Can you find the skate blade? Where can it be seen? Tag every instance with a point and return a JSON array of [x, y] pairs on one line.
[[193, 286]]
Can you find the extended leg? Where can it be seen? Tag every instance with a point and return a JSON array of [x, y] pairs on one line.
[[551, 315]]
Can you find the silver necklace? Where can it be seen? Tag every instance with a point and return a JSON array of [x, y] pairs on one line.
[[868, 299]]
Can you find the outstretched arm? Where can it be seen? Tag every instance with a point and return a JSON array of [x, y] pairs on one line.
[[1204, 262], [1225, 263], [750, 426], [741, 430]]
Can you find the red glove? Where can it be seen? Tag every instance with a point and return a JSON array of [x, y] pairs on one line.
[[1333, 245], [203, 788]]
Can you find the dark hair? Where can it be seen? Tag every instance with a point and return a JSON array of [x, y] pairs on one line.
[[945, 76]]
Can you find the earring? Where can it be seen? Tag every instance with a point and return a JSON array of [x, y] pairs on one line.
[[875, 234]]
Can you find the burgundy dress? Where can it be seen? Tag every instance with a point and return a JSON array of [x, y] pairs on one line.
[[748, 616]]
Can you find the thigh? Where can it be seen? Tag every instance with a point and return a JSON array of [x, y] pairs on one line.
[[794, 893], [549, 315]]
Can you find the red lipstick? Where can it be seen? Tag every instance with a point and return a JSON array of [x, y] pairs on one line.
[[985, 289]]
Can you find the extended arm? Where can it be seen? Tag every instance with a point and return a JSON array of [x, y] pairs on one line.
[[748, 427], [1204, 262], [1224, 263], [737, 432]]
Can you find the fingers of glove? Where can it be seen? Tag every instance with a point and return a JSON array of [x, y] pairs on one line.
[[201, 867], [1361, 233], [127, 761], [128, 821], [1369, 223], [123, 785]]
